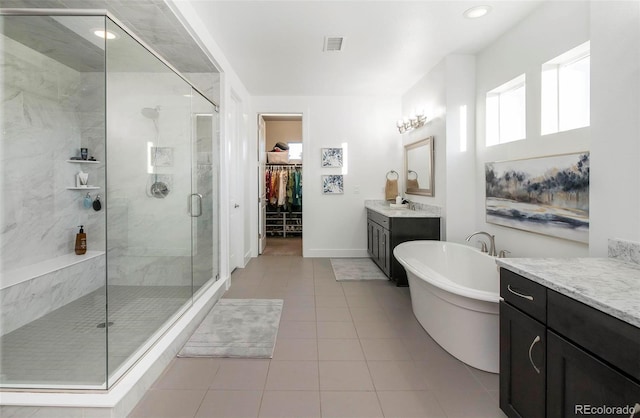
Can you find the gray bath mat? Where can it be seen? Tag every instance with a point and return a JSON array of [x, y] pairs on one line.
[[356, 269], [244, 328]]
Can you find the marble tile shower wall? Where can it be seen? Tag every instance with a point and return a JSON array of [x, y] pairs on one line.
[[149, 238], [29, 300], [49, 112]]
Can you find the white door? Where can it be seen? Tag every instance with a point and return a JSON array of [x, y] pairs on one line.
[[236, 226], [262, 198]]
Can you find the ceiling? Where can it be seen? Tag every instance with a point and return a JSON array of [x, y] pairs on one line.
[[276, 47]]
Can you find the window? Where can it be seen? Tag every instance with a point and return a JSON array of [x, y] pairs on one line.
[[295, 151], [566, 91], [506, 112]]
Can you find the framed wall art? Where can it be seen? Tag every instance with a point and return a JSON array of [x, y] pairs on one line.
[[547, 195], [333, 184], [332, 157]]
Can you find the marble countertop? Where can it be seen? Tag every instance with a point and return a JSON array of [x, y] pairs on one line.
[[422, 211], [607, 284]]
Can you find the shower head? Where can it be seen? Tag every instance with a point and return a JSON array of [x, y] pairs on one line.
[[151, 112]]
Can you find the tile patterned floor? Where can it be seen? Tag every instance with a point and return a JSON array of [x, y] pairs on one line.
[[65, 347], [280, 246], [344, 349]]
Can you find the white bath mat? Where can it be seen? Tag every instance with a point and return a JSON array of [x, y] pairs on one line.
[[244, 328], [356, 269]]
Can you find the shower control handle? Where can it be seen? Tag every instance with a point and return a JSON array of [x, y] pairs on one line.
[[199, 197]]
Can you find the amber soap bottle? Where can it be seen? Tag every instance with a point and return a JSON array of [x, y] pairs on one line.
[[81, 241]]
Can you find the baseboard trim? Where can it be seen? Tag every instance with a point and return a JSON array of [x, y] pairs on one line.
[[335, 253]]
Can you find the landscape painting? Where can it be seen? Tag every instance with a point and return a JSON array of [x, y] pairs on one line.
[[548, 195]]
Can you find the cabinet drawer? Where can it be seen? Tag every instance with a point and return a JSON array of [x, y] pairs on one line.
[[378, 218], [524, 294], [611, 339]]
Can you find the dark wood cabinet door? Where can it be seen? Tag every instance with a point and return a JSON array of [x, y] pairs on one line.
[[384, 254], [370, 238], [577, 381], [522, 364]]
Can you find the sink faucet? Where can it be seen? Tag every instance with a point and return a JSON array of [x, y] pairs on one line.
[[492, 241]]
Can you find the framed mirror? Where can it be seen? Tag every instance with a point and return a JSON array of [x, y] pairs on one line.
[[418, 163]]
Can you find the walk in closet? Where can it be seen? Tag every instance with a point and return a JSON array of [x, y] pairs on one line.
[[282, 193]]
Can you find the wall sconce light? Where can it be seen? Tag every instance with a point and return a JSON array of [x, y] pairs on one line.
[[407, 124]]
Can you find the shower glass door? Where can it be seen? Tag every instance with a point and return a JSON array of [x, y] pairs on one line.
[[149, 179], [203, 201]]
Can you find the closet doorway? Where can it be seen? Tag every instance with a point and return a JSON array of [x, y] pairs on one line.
[[280, 184]]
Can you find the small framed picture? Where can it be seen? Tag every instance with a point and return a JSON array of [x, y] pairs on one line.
[[333, 184], [332, 157]]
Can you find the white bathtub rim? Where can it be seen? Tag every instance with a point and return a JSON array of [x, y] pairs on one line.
[[444, 283]]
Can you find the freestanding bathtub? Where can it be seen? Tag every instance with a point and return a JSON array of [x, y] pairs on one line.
[[454, 294]]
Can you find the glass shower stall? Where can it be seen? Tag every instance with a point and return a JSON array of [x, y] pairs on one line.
[[100, 132]]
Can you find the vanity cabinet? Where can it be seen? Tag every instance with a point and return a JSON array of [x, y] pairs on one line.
[[384, 233], [522, 361], [560, 357]]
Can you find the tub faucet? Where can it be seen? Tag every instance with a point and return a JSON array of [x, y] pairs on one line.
[[492, 241]]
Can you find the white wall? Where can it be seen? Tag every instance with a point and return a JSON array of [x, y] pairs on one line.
[[230, 85], [429, 94], [442, 92], [335, 225], [550, 30], [615, 123]]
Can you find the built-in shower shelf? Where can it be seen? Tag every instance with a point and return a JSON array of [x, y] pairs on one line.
[[83, 161], [84, 188]]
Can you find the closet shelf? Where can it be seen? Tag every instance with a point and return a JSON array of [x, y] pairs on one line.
[[283, 223], [84, 188]]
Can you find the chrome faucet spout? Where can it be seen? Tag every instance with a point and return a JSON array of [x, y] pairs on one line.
[[492, 241]]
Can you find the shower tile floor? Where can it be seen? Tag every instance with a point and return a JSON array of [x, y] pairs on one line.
[[66, 346], [344, 349]]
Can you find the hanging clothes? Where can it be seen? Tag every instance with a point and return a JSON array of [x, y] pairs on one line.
[[290, 189], [267, 184], [283, 187], [273, 191], [297, 189], [283, 177]]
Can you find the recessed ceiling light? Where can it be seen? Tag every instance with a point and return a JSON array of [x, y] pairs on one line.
[[104, 34], [476, 12]]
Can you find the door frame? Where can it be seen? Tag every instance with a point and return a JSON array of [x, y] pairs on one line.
[[236, 224], [261, 163]]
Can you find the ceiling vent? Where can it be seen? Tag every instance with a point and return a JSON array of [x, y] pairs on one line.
[[333, 43]]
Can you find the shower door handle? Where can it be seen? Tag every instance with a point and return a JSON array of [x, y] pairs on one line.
[[199, 197]]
